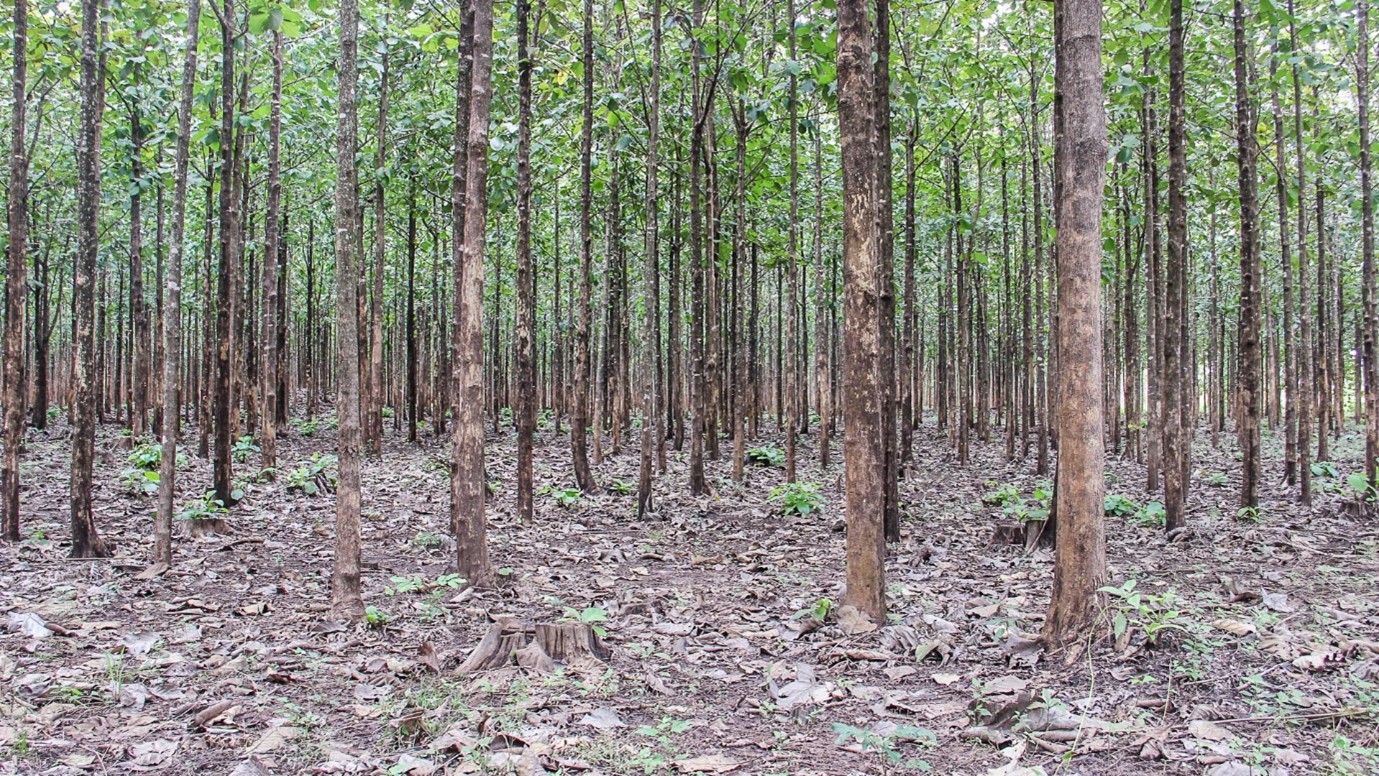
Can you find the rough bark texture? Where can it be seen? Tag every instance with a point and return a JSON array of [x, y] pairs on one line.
[[86, 541], [271, 250], [1369, 348], [579, 417], [652, 438], [16, 292], [172, 310], [1080, 557], [1248, 367], [864, 456], [1177, 439], [225, 320], [467, 483], [346, 602], [525, 323]]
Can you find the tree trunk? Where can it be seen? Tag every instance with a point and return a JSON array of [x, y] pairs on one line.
[[172, 311], [579, 418], [1080, 559], [1369, 347], [86, 541], [373, 433], [16, 291], [1177, 443], [226, 320], [271, 250], [467, 485], [1247, 151], [864, 450], [525, 323], [652, 437], [346, 602]]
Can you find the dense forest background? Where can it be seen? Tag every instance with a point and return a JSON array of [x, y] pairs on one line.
[[871, 327]]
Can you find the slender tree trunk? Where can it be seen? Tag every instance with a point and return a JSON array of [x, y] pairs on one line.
[[1177, 443], [1248, 368], [373, 431], [172, 311], [525, 324], [579, 418], [86, 541], [1369, 347], [699, 405], [863, 444], [346, 601], [1080, 559], [271, 250], [652, 437], [1305, 399], [791, 256], [467, 485], [823, 310], [226, 319], [16, 291]]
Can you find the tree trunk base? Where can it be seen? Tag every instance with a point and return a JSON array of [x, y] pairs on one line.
[[540, 647]]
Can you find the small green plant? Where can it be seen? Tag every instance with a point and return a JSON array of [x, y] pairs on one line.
[[591, 616], [139, 482], [243, 449], [766, 456], [388, 412], [147, 456], [1003, 495], [1026, 511], [1325, 470], [620, 488], [819, 611], [1249, 515], [1361, 489], [208, 507], [1217, 480], [1151, 515], [798, 498], [314, 476], [887, 745], [375, 617], [1152, 614], [1117, 505], [565, 497], [428, 541]]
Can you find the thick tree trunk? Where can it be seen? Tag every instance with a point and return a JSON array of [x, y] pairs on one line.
[[1080, 560], [1304, 399], [864, 450]]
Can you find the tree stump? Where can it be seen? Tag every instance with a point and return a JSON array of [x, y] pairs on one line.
[[541, 647]]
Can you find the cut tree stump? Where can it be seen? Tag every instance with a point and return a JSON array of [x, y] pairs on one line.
[[541, 646]]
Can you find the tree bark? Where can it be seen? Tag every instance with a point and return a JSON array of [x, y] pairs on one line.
[[467, 485], [346, 601], [525, 414], [864, 453], [1248, 369], [271, 250], [86, 540], [579, 417], [172, 310], [1080, 557], [1177, 443], [16, 281]]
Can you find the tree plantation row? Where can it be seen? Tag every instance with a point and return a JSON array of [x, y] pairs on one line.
[[692, 228]]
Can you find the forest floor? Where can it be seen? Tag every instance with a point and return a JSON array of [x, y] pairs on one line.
[[1263, 657]]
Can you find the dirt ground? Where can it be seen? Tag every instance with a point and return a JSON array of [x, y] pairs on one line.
[[1244, 647]]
